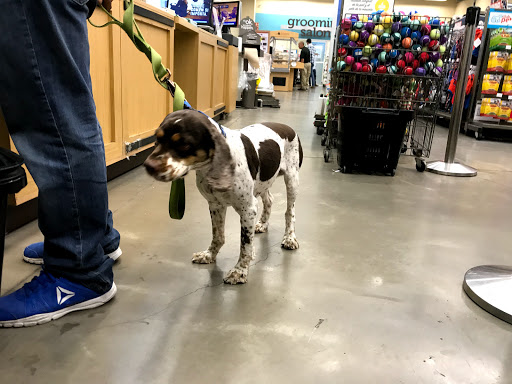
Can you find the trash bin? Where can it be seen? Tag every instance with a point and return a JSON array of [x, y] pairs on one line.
[[12, 180], [249, 95]]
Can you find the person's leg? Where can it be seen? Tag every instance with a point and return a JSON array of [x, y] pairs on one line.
[[34, 253], [313, 76], [303, 78], [311, 83], [46, 98], [307, 69]]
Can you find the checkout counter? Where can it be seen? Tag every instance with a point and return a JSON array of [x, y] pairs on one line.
[[285, 53], [130, 103]]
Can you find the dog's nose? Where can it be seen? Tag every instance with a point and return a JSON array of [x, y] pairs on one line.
[[151, 166]]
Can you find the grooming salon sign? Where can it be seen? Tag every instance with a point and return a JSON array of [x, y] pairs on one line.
[[316, 28]]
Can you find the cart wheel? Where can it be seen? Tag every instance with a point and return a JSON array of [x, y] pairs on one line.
[[327, 155], [479, 136], [403, 149], [323, 141], [319, 130], [345, 169], [393, 171], [417, 152], [421, 165]]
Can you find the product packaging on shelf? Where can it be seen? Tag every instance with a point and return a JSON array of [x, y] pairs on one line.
[[508, 65], [484, 107], [501, 38], [506, 89], [490, 107], [497, 61], [491, 84], [494, 107], [504, 110]]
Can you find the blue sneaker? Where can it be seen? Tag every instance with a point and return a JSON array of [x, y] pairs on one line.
[[48, 298], [33, 254]]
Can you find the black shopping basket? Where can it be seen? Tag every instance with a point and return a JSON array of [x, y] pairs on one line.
[[370, 139]]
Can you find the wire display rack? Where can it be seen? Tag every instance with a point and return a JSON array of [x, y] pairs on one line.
[[391, 79]]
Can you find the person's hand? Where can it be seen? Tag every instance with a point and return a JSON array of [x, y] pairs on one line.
[[107, 4]]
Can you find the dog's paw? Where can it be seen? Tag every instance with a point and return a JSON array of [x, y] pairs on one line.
[[290, 242], [204, 257], [236, 276], [260, 227]]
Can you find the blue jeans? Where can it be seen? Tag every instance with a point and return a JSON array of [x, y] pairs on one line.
[[46, 98], [312, 77]]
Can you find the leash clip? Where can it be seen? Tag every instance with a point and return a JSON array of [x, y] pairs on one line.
[[167, 76], [171, 87]]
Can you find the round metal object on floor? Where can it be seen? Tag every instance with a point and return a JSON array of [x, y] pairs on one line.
[[490, 286], [451, 169]]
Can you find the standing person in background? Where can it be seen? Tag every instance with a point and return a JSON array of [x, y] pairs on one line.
[[312, 51], [305, 57]]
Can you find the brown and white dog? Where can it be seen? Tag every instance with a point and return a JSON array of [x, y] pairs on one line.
[[230, 171]]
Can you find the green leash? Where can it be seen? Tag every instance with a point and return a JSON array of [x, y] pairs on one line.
[[162, 76], [177, 195]]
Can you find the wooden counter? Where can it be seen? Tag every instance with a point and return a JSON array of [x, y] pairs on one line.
[[130, 103], [282, 77], [282, 74], [201, 67]]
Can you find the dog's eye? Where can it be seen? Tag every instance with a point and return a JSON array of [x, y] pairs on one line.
[[184, 148]]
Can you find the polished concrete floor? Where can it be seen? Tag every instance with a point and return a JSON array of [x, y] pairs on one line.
[[373, 295]]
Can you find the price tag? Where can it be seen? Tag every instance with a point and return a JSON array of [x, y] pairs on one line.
[[508, 47], [499, 95], [477, 43]]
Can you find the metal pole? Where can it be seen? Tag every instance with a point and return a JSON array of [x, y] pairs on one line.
[[449, 167]]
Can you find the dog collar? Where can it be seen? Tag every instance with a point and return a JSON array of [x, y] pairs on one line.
[[187, 105], [221, 129]]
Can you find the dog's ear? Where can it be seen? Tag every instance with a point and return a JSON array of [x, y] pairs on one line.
[[220, 177]]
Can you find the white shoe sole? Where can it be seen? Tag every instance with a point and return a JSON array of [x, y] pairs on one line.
[[33, 260], [47, 317]]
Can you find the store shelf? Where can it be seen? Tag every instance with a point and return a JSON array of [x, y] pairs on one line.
[[496, 96], [500, 48], [478, 125], [444, 115]]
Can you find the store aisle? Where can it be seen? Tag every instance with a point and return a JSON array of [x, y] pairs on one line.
[[373, 294]]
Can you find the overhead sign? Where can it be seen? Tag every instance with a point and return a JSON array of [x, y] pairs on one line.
[[499, 19], [315, 28], [367, 6]]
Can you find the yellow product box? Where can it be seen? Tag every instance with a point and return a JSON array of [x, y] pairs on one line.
[[506, 88], [491, 84], [508, 65], [484, 108], [497, 61], [494, 108], [504, 111]]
